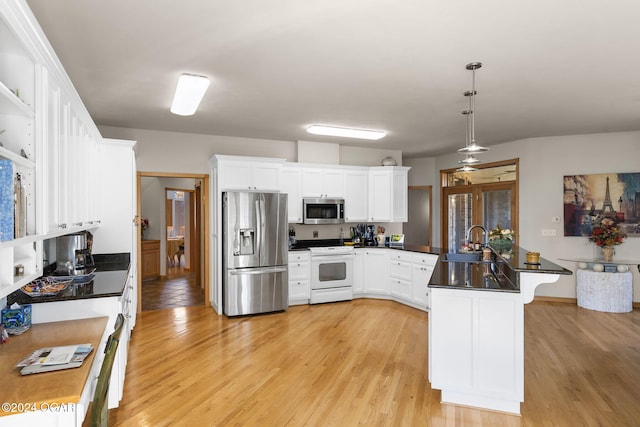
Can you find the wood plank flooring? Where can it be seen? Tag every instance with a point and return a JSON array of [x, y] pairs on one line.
[[365, 363]]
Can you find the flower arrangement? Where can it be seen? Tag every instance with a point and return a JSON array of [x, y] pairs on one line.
[[499, 233], [144, 225], [607, 234]]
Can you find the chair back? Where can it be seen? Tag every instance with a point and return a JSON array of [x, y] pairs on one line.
[[99, 406]]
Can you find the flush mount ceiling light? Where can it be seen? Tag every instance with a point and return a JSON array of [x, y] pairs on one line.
[[471, 146], [189, 92], [346, 132]]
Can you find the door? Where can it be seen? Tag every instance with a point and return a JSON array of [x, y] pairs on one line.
[[488, 199], [240, 218], [256, 290], [273, 229]]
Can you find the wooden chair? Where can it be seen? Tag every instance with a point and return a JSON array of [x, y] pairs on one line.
[[99, 406]]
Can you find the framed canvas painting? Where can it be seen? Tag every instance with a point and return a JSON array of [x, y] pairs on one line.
[[590, 198]]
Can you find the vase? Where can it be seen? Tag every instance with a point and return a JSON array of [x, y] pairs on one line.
[[501, 245], [607, 251]]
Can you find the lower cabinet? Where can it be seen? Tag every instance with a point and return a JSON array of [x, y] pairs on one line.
[[150, 259], [299, 277], [95, 307], [376, 272]]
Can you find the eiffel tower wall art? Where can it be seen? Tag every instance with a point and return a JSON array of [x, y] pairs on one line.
[[590, 198]]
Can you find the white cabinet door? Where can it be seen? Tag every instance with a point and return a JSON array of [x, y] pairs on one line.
[[380, 195], [291, 184], [266, 176], [400, 197], [117, 198], [376, 271], [423, 266], [388, 194], [248, 175], [358, 270], [356, 187], [299, 277], [333, 180], [322, 182], [419, 284]]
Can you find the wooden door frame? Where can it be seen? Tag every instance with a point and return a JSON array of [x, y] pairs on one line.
[[476, 190], [204, 230]]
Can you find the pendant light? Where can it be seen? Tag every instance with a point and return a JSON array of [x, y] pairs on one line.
[[471, 146]]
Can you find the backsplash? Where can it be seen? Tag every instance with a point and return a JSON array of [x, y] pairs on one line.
[[332, 231]]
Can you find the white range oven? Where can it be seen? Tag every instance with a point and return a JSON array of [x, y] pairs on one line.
[[331, 274]]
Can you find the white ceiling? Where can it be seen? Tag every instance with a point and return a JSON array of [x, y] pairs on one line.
[[550, 67]]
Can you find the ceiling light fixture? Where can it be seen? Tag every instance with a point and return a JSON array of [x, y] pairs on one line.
[[189, 92], [346, 132], [471, 146]]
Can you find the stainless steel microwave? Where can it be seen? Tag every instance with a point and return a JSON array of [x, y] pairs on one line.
[[323, 211]]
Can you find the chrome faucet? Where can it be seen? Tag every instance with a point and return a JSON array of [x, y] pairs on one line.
[[484, 232]]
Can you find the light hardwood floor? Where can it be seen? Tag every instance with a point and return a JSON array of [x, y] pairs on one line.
[[365, 363]]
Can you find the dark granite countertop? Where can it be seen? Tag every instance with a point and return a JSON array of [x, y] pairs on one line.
[[502, 274], [107, 281]]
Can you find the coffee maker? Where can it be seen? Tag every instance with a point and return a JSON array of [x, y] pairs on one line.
[[73, 254]]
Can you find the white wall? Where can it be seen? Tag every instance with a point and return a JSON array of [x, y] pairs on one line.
[[152, 204], [543, 164]]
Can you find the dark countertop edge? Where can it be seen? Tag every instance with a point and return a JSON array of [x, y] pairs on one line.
[[514, 261], [407, 248], [103, 263]]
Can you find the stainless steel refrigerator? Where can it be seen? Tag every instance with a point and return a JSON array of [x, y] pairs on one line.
[[255, 253]]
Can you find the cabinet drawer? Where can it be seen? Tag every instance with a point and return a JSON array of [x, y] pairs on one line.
[[297, 256], [425, 259], [399, 287], [299, 271], [400, 269], [397, 255]]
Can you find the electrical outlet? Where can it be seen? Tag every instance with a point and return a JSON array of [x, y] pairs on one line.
[[549, 232], [315, 234]]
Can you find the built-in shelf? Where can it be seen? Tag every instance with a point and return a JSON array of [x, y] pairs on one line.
[[11, 104], [16, 158]]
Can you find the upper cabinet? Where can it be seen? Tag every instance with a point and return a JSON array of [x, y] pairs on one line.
[[247, 173], [322, 182], [48, 148], [388, 200], [291, 184], [356, 194]]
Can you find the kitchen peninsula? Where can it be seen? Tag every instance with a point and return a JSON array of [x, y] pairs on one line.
[[476, 327]]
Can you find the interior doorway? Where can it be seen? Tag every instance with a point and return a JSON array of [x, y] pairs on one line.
[[192, 252]]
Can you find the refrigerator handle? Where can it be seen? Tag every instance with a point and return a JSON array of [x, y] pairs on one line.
[[258, 229], [255, 271], [262, 225]]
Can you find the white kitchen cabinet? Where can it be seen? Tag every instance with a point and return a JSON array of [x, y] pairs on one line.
[[118, 232], [248, 173], [400, 274], [358, 270], [291, 183], [356, 194], [376, 272], [299, 277], [321, 182], [422, 269], [388, 200]]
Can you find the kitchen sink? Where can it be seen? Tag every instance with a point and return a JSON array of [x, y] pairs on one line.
[[462, 257]]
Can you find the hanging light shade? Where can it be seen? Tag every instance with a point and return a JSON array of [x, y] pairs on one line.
[[472, 146]]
